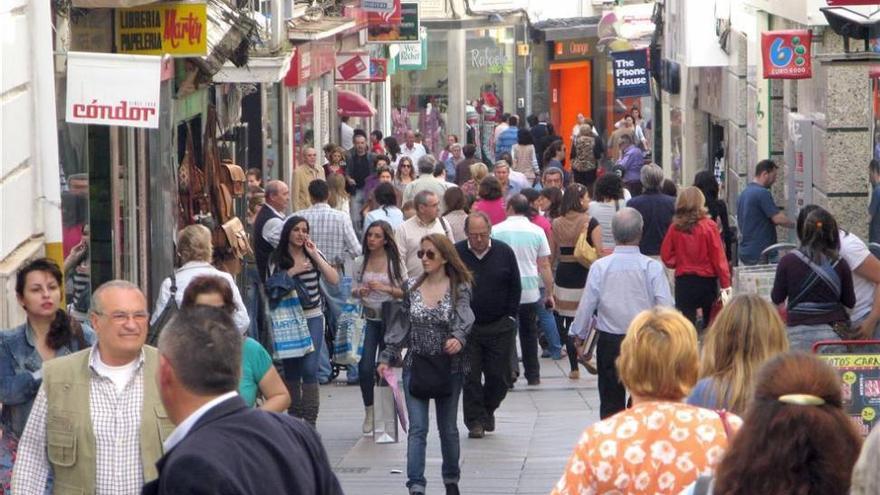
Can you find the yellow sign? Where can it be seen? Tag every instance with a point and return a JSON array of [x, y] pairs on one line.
[[178, 29]]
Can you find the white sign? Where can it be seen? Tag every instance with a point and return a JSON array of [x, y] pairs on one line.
[[410, 54], [379, 6], [113, 89]]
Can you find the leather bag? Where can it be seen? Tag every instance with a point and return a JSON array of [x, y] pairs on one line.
[[236, 238], [233, 177], [167, 314]]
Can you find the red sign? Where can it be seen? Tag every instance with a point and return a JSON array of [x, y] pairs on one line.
[[787, 54], [352, 67], [310, 61]]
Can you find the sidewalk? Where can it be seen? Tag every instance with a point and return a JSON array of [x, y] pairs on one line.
[[537, 428]]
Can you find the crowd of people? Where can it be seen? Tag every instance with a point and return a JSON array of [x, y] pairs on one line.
[[461, 270]]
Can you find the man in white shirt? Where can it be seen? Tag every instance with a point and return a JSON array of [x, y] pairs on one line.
[[426, 221], [426, 182], [503, 126], [269, 223], [415, 151], [346, 134]]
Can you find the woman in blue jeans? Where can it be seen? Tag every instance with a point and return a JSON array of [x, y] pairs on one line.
[[379, 279], [298, 256], [439, 320]]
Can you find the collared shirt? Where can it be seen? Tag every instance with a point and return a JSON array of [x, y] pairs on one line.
[[409, 237], [182, 430], [272, 228], [529, 243], [482, 255], [414, 153], [303, 175], [332, 231], [620, 286], [116, 422], [426, 182]]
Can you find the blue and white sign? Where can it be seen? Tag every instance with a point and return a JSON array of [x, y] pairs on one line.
[[631, 75]]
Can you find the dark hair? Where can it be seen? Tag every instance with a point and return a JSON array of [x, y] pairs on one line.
[[490, 188], [412, 170], [519, 204], [319, 190], [63, 330], [455, 200], [571, 199], [554, 195], [377, 134], [669, 188], [820, 236], [524, 137], [208, 284], [281, 254], [439, 168], [531, 196], [392, 147], [504, 157], [532, 120], [802, 218], [513, 121], [256, 173], [378, 158], [874, 168], [550, 152], [469, 150], [706, 182], [765, 166], [391, 252], [344, 118], [359, 132], [385, 195], [505, 116], [790, 448], [608, 187]]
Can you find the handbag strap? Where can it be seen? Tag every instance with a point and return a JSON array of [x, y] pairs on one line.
[[722, 414], [825, 274]]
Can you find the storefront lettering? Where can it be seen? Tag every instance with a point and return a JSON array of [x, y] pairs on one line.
[[188, 27], [627, 74], [575, 48], [123, 111], [140, 19], [492, 58], [141, 41]]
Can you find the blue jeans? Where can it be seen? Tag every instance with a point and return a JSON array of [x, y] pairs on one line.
[[548, 326], [447, 416], [373, 344], [305, 368]]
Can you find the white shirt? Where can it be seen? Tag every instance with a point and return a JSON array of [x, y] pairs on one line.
[[186, 425], [855, 252], [184, 275], [272, 228], [529, 242], [409, 237], [346, 136], [119, 375], [414, 153]]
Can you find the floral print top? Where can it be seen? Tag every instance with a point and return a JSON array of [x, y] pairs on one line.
[[655, 447]]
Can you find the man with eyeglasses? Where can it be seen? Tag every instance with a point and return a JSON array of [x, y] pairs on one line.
[[98, 423], [426, 221], [495, 303], [303, 175]]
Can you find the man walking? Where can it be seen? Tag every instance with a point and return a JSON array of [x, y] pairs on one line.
[[426, 221], [656, 208], [220, 445], [758, 215], [415, 151], [359, 166], [529, 244], [268, 224], [495, 302], [505, 141], [631, 159], [303, 175], [463, 168], [97, 423], [619, 286], [426, 182]]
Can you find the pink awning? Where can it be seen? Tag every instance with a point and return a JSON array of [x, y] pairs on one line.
[[349, 104]]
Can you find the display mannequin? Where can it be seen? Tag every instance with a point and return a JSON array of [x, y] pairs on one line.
[[429, 124], [400, 123]]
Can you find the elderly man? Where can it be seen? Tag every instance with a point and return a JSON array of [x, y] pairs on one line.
[[303, 175], [618, 287], [426, 182], [656, 208], [220, 445], [495, 303], [455, 156], [532, 250], [415, 151], [552, 177], [509, 186], [268, 224], [631, 160], [97, 424], [426, 221]]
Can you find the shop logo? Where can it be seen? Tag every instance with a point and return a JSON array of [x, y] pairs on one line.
[[787, 54], [782, 55]]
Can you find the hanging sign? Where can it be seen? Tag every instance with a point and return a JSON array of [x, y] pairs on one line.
[[381, 6], [352, 67], [787, 54], [631, 75], [113, 89], [378, 69], [403, 27], [414, 56], [179, 29]]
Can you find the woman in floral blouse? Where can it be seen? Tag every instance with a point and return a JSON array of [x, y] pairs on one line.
[[660, 445]]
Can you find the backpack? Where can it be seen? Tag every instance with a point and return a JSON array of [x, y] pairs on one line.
[[584, 160]]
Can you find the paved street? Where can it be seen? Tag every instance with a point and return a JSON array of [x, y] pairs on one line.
[[536, 430]]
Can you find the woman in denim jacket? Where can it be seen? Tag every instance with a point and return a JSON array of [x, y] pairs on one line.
[[48, 333]]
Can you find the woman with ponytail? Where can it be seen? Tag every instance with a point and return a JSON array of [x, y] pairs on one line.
[[47, 333]]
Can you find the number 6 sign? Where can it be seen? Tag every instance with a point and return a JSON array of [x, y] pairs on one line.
[[787, 54]]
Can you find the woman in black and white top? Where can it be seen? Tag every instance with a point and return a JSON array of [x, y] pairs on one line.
[[297, 255]]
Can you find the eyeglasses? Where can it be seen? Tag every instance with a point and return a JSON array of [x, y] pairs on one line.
[[121, 317], [421, 253], [478, 235]]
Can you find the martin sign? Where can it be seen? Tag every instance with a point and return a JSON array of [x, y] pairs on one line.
[[631, 75]]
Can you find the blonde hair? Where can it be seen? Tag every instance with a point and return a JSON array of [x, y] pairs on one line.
[[194, 244], [690, 208], [746, 333], [336, 184], [479, 171], [658, 357]]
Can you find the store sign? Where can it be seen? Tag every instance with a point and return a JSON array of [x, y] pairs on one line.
[[403, 27], [571, 49], [492, 60], [310, 61], [179, 29], [352, 67], [787, 54], [378, 69], [380, 6], [631, 75], [113, 89], [414, 56]]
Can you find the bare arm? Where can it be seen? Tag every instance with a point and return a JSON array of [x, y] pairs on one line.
[[547, 277], [781, 219], [273, 389], [870, 270]]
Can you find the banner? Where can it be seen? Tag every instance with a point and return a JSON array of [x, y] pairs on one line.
[[787, 54], [352, 67], [179, 29], [113, 89], [403, 27], [381, 6], [631, 75]]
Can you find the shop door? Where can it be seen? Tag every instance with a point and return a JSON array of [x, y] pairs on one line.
[[570, 89]]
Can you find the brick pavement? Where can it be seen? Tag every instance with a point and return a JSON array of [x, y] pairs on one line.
[[536, 431]]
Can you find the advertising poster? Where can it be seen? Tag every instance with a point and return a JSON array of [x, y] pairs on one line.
[[178, 29], [352, 67], [860, 384], [787, 54], [632, 78], [384, 29]]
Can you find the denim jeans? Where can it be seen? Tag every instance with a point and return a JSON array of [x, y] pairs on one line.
[[305, 368], [373, 344], [447, 416], [548, 326]]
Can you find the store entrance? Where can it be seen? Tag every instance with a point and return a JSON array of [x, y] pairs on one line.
[[570, 90]]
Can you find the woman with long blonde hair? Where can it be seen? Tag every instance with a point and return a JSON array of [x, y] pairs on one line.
[[746, 333]]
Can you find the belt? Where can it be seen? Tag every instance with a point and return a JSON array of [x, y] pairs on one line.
[[372, 314]]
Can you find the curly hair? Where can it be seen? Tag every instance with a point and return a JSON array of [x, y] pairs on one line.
[[609, 187]]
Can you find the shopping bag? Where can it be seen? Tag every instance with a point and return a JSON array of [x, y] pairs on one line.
[[399, 404], [348, 347], [385, 415], [290, 329], [587, 347]]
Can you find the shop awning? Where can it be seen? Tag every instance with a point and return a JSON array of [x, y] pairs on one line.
[[257, 70], [349, 104], [302, 29], [568, 29]]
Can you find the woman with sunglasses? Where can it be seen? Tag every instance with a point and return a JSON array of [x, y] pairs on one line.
[[405, 174], [439, 320]]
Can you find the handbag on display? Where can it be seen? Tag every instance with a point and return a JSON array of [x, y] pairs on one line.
[[290, 329], [168, 312], [348, 347]]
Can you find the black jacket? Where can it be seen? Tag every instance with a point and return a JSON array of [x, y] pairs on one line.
[[262, 248], [236, 450]]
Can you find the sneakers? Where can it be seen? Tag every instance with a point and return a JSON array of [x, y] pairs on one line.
[[476, 431], [574, 375]]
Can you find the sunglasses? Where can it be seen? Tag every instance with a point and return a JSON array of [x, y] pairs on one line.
[[405, 165], [421, 253]]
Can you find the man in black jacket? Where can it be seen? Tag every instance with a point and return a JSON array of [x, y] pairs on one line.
[[495, 303], [221, 446]]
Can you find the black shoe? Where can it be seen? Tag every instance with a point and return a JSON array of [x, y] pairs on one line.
[[489, 425], [534, 381], [452, 489], [476, 431]]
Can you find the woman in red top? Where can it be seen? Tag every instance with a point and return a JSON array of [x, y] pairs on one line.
[[693, 247]]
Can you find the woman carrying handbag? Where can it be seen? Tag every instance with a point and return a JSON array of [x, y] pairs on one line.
[[439, 322]]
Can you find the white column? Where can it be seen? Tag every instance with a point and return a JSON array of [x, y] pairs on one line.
[[455, 114]]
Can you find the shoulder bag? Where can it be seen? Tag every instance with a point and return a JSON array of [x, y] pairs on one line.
[[584, 252], [168, 312], [430, 376]]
